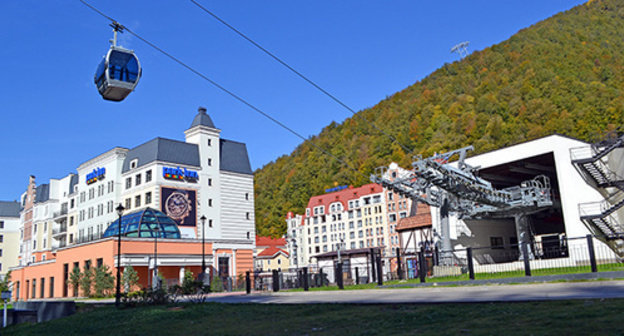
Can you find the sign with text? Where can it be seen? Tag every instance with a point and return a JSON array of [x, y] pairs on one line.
[[96, 175], [180, 174]]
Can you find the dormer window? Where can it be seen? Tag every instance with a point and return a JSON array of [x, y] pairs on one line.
[[134, 163]]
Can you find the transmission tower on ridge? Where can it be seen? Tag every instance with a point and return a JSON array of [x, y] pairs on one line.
[[461, 49]]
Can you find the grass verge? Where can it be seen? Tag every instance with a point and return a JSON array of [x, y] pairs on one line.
[[542, 318]]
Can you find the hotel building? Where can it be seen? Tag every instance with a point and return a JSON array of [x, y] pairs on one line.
[[62, 223]]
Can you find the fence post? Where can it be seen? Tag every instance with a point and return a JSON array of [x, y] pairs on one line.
[[421, 265], [471, 274], [305, 278], [525, 256], [247, 282], [436, 257], [399, 272], [592, 253], [373, 272], [379, 271], [276, 283], [339, 275], [322, 276]]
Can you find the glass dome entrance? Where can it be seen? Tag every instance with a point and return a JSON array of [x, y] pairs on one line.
[[143, 224]]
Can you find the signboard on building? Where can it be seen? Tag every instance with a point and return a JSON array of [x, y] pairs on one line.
[[180, 174], [336, 188], [179, 204], [96, 175]]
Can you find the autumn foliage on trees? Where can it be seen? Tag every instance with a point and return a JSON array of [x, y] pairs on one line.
[[562, 75]]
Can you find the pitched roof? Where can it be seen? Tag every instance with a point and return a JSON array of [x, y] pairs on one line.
[[72, 182], [42, 193], [161, 149], [202, 119], [271, 252], [344, 196], [234, 157], [268, 241], [9, 209], [419, 217]]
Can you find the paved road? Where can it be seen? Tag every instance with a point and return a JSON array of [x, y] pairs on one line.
[[533, 292]]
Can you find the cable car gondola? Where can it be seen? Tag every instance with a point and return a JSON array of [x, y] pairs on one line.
[[119, 72]]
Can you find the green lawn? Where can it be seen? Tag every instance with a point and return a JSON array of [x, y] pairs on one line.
[[583, 317]]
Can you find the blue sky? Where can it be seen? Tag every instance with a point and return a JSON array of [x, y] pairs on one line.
[[53, 119]]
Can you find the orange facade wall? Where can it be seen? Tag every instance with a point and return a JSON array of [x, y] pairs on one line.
[[52, 271], [244, 261]]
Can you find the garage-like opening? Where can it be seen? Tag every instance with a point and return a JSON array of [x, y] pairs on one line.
[[547, 227]]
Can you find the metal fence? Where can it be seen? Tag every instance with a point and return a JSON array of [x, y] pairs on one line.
[[559, 255]]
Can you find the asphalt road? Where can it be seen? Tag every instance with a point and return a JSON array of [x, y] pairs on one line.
[[464, 294]]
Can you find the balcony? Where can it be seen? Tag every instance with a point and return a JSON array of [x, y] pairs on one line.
[[61, 215], [60, 230]]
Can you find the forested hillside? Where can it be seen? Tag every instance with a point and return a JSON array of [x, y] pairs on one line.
[[563, 75]]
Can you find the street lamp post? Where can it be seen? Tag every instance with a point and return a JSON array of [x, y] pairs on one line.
[[155, 280], [202, 275], [120, 209]]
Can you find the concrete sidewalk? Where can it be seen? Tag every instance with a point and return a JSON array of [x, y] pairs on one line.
[[466, 294]]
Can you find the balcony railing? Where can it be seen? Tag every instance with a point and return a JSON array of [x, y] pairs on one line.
[[59, 230], [88, 238], [61, 213]]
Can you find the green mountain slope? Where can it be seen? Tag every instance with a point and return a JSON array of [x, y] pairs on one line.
[[562, 75]]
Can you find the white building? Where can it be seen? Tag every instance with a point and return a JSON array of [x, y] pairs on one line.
[[9, 235], [201, 176]]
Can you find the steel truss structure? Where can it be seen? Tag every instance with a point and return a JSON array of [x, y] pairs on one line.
[[459, 190]]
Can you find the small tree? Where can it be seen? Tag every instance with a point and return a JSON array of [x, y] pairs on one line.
[[130, 279], [103, 281], [5, 284], [217, 284], [86, 280], [188, 283], [74, 279]]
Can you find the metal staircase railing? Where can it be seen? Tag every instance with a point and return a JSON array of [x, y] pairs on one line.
[[600, 217]]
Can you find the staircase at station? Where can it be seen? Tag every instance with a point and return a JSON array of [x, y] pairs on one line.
[[603, 218]]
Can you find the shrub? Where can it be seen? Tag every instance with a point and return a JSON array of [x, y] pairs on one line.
[[217, 284], [86, 280], [74, 279], [103, 281], [130, 279]]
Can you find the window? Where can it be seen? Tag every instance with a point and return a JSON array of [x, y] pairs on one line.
[[91, 193], [137, 179], [497, 243], [134, 163], [247, 196], [82, 197], [247, 215], [128, 203], [148, 197], [148, 175], [390, 195], [209, 181], [71, 203], [392, 218], [210, 223], [137, 200], [209, 162], [1, 224], [0, 252], [209, 142], [210, 204], [128, 182]]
